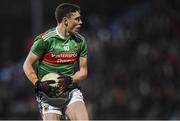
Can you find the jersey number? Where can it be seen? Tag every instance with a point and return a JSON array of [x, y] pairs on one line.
[[66, 48]]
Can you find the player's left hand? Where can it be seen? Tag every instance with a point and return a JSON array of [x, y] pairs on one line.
[[64, 82]]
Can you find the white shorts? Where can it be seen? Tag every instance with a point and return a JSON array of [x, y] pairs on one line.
[[76, 96]]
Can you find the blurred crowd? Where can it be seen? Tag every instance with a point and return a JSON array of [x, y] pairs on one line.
[[133, 65]]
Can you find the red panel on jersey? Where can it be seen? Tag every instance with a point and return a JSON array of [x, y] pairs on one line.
[[60, 58]]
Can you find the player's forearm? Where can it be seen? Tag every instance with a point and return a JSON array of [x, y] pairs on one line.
[[30, 73], [80, 75]]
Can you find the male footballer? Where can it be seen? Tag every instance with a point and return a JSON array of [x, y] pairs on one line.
[[60, 50]]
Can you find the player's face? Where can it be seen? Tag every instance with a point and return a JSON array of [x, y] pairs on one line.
[[74, 22]]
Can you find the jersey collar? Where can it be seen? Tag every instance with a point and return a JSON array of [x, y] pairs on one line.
[[59, 34]]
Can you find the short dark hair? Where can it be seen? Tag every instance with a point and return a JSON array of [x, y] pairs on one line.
[[65, 9]]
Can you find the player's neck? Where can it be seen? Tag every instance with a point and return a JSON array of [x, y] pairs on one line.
[[62, 32]]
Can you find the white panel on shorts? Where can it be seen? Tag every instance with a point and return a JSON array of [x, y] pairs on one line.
[[76, 96], [46, 108]]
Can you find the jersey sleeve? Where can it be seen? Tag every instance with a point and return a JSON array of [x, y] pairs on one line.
[[83, 48], [38, 46]]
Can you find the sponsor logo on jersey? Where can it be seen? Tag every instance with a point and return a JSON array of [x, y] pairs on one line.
[[60, 58]]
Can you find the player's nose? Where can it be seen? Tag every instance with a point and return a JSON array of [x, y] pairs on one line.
[[80, 22]]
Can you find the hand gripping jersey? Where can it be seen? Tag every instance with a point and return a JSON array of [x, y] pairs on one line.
[[58, 54]]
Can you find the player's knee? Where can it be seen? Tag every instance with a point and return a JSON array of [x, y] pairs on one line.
[[81, 116], [85, 116]]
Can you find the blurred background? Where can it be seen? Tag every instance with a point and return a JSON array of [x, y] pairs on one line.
[[133, 57]]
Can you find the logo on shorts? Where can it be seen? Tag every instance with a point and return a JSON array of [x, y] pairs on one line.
[[46, 108]]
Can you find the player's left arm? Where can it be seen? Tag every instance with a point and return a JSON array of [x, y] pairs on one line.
[[82, 73]]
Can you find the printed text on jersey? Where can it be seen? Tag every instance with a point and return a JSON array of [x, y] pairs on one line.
[[60, 58]]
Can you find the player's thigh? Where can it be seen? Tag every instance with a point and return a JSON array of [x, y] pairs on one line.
[[51, 116], [77, 111]]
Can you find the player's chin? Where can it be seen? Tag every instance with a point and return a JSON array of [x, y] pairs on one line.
[[75, 31]]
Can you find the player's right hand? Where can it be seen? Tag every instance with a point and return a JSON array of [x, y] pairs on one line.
[[43, 86]]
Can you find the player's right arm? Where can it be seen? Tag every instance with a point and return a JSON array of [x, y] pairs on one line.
[[28, 67], [35, 53]]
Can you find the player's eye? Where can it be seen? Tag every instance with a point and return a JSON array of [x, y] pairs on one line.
[[78, 19]]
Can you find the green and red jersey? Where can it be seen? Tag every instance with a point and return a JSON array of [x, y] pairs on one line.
[[58, 54]]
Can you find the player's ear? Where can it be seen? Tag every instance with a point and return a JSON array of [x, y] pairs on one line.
[[65, 21]]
